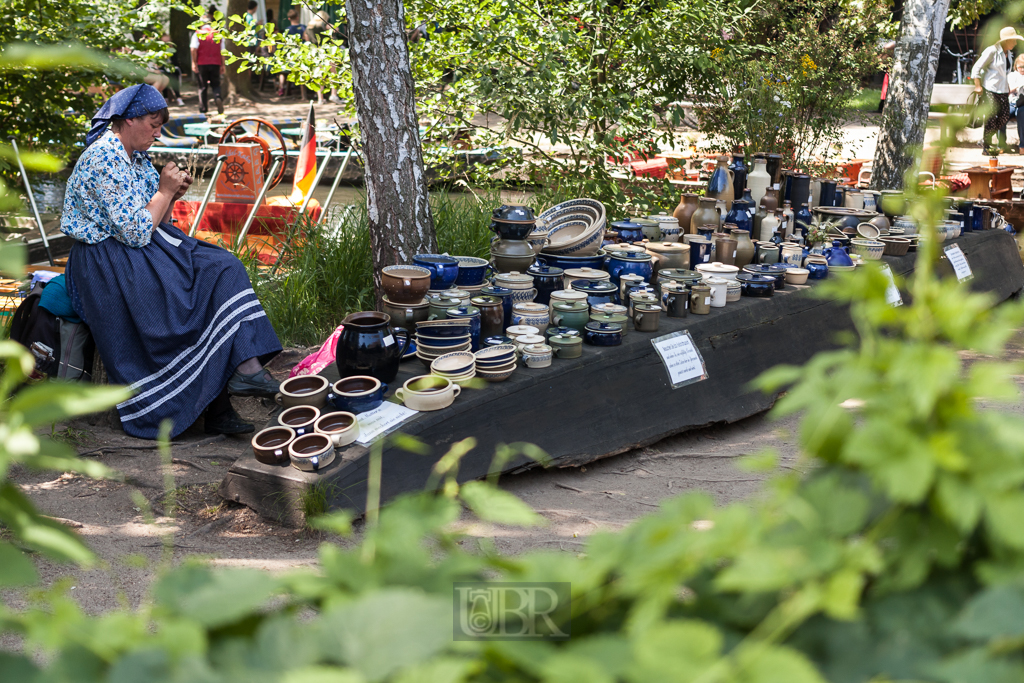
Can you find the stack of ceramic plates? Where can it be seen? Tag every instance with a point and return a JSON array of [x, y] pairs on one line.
[[574, 228], [496, 363], [459, 367], [435, 338]]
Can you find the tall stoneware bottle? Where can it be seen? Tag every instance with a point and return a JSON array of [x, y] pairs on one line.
[[688, 204], [720, 183], [758, 180], [739, 175], [788, 219], [706, 214]]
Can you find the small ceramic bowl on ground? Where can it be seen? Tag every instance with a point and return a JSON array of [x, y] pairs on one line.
[[270, 446], [796, 276], [868, 231], [305, 390], [870, 249], [453, 363], [341, 427], [311, 452], [299, 418], [499, 374], [895, 246]]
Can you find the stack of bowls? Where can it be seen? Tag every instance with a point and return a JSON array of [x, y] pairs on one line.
[[405, 289], [512, 250], [459, 367], [495, 363], [435, 338], [574, 228]]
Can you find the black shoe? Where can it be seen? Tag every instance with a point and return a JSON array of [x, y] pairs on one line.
[[220, 105], [228, 423], [256, 384]]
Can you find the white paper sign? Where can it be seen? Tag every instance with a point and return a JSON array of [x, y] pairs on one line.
[[892, 292], [681, 358], [958, 260], [381, 420]]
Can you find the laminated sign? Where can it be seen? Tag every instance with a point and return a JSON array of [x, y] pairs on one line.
[[681, 358], [958, 260], [892, 292]]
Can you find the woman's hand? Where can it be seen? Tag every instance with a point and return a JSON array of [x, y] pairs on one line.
[[174, 181]]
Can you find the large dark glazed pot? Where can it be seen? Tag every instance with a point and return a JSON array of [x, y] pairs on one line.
[[368, 345]]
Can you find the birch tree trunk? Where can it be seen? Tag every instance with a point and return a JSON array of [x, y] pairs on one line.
[[401, 224], [910, 90]]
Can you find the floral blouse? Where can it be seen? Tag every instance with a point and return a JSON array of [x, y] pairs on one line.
[[107, 195]]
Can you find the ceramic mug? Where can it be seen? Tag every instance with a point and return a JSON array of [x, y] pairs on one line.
[[768, 254], [305, 390], [537, 355], [428, 392], [700, 299], [357, 394], [574, 314], [719, 291], [299, 418], [311, 452], [341, 427], [645, 317], [675, 298], [270, 446]]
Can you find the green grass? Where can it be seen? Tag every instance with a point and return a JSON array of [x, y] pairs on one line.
[[329, 273], [867, 100]]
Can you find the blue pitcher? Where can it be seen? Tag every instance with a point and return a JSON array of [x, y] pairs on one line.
[[837, 255]]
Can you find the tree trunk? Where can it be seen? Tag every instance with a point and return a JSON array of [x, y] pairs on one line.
[[239, 83], [910, 90], [401, 224], [179, 21]]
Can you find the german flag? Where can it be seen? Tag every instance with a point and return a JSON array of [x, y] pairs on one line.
[[305, 170]]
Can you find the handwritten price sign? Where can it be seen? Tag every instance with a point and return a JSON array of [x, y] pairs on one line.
[[681, 358], [958, 259]]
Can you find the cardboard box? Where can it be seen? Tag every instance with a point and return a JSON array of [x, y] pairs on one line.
[[242, 176]]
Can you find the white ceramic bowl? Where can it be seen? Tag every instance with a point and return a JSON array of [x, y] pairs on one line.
[[796, 276]]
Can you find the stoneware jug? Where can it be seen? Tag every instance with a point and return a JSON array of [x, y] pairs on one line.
[[368, 345], [688, 204], [758, 180], [744, 247], [720, 184], [739, 174], [706, 214]]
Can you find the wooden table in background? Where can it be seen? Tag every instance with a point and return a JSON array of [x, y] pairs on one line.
[[990, 183]]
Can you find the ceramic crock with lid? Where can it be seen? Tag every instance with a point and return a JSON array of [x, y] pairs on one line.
[[717, 269]]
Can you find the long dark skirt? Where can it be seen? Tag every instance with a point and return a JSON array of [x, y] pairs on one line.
[[172, 319]]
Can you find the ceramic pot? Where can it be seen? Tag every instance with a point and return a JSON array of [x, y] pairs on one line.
[[522, 330], [799, 191], [627, 281], [854, 200], [620, 319], [598, 291], [679, 275], [357, 394], [718, 269], [603, 334], [757, 286], [827, 193], [472, 314], [706, 214], [299, 418], [439, 304], [498, 340], [304, 390], [870, 200], [739, 174], [492, 315], [895, 246], [635, 263], [574, 274], [311, 452], [669, 227], [428, 392], [642, 297], [627, 231], [700, 251], [512, 255], [472, 271], [700, 299], [567, 262], [675, 298], [512, 231], [561, 332], [340, 427], [768, 253], [568, 295], [732, 291], [526, 340], [739, 216], [566, 347], [406, 315], [513, 222], [759, 180], [817, 268], [791, 254], [776, 271], [405, 284], [444, 269], [505, 294], [688, 204], [796, 276], [532, 314], [719, 290], [368, 345], [838, 255], [720, 184], [270, 446], [546, 279], [537, 355], [668, 255], [725, 249], [513, 280], [645, 317], [744, 247], [774, 167]]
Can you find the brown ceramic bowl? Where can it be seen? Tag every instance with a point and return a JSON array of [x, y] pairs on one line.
[[270, 446], [405, 284], [895, 246], [305, 390], [299, 418]]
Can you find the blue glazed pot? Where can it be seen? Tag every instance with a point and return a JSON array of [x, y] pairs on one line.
[[816, 271], [758, 286], [700, 252], [505, 294], [566, 262], [739, 215], [444, 270], [837, 255], [603, 334], [707, 231], [773, 270], [828, 193], [598, 291], [472, 271], [636, 263], [357, 394], [628, 231], [472, 314], [546, 279]]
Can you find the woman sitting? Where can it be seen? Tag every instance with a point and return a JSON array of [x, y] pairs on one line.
[[174, 318]]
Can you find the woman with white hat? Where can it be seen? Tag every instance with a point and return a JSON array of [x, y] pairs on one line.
[[989, 74]]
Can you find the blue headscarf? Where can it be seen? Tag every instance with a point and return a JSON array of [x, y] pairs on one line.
[[129, 103]]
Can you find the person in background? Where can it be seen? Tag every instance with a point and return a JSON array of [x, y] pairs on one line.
[[173, 72], [989, 74], [1015, 82], [208, 64], [295, 28]]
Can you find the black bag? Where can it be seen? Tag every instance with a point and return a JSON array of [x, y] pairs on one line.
[[62, 349], [975, 110]]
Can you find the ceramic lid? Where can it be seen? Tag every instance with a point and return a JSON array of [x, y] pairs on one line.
[[587, 274], [764, 268], [646, 222], [495, 290], [609, 308], [561, 332], [568, 295], [664, 218], [565, 340], [604, 328], [717, 281], [625, 225], [544, 271], [594, 286], [624, 248], [631, 277], [717, 267], [486, 301], [527, 339], [754, 278], [536, 348], [666, 247], [463, 312], [567, 306], [637, 256], [515, 277], [514, 214], [529, 307], [443, 300], [678, 274]]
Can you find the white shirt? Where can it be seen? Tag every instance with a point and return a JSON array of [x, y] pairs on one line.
[[996, 64], [194, 43], [1015, 81]]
